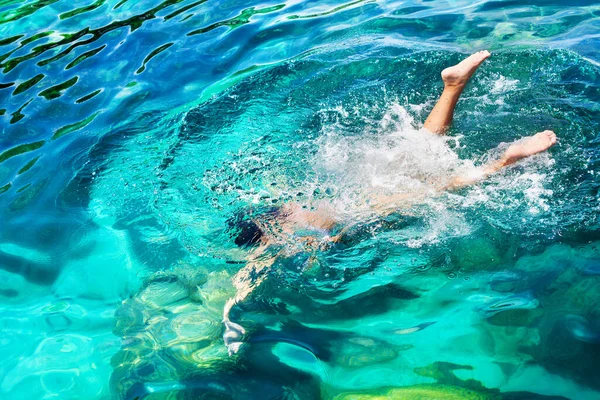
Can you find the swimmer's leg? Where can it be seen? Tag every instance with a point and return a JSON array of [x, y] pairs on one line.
[[520, 149], [455, 79]]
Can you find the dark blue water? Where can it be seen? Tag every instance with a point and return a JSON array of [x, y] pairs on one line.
[[133, 131]]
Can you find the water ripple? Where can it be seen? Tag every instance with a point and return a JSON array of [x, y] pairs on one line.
[[132, 131]]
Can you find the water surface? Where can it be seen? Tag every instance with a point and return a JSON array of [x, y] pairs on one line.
[[133, 131]]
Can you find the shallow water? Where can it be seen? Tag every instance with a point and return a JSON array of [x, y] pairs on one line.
[[133, 131]]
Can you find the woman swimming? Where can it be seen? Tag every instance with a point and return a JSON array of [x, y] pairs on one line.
[[293, 228]]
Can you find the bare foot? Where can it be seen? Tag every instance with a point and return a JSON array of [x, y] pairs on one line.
[[459, 74], [529, 146]]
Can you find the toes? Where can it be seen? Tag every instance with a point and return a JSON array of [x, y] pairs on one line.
[[549, 136], [483, 54]]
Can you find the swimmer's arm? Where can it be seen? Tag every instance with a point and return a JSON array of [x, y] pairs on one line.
[[244, 281], [257, 263]]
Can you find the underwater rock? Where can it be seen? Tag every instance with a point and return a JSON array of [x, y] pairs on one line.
[[449, 386], [593, 268], [375, 300], [523, 301], [569, 342], [169, 330], [562, 351], [33, 269], [488, 249], [552, 323], [418, 392], [443, 372], [337, 349], [515, 317], [172, 345], [506, 281], [440, 392], [358, 352], [582, 328], [413, 329]]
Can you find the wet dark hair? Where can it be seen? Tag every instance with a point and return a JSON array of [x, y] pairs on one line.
[[244, 230]]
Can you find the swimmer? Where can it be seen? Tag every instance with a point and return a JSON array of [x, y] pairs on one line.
[[270, 232]]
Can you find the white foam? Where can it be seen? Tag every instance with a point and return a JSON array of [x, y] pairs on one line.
[[413, 166], [503, 85], [396, 159]]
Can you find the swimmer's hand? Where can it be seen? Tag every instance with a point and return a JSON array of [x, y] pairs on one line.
[[232, 336]]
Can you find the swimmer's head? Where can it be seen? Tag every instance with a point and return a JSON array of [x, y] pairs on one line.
[[245, 231]]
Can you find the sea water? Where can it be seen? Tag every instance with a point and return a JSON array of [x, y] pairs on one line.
[[132, 132]]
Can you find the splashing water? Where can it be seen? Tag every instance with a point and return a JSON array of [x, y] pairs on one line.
[[395, 158]]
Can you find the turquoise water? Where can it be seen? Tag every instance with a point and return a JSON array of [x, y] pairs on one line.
[[133, 131]]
